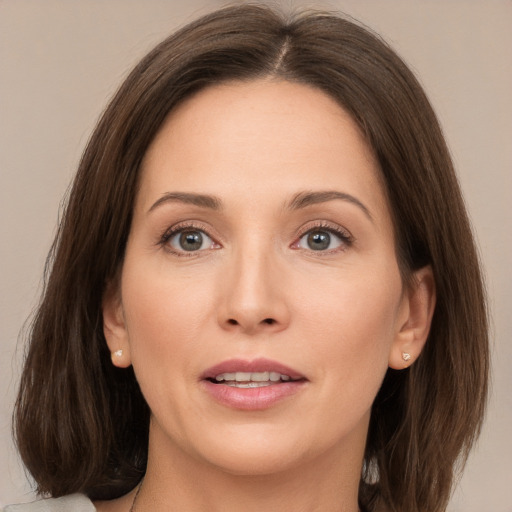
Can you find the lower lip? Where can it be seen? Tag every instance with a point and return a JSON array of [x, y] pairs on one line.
[[252, 399]]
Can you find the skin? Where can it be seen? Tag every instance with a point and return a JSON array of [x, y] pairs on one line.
[[339, 316]]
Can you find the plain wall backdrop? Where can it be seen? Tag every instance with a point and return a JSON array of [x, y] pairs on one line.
[[60, 61]]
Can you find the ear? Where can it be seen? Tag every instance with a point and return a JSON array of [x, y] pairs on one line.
[[114, 327], [415, 319]]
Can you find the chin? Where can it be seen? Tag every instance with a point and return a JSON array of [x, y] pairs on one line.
[[251, 450], [256, 462], [264, 450]]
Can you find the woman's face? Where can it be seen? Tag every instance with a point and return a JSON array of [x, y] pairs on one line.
[[261, 242]]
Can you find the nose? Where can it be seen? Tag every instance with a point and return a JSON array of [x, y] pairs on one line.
[[254, 298]]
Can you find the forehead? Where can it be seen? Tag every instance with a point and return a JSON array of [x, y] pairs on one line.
[[260, 139]]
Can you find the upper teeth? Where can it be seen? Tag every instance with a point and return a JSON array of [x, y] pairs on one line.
[[252, 376]]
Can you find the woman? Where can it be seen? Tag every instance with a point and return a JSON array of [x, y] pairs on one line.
[[264, 291]]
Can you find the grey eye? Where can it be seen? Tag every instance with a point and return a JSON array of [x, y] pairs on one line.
[[190, 240], [319, 240]]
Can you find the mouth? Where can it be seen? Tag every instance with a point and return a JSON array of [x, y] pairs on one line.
[[260, 372], [251, 385], [251, 379]]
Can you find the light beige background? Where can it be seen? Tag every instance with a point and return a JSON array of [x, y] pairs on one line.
[[61, 59]]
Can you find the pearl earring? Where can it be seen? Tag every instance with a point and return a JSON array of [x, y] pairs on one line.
[[406, 356]]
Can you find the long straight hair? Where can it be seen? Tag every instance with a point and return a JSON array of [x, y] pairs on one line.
[[82, 425]]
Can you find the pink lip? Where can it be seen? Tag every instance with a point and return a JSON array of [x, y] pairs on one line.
[[252, 398]]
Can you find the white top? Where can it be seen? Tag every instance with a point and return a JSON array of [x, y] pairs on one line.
[[71, 503]]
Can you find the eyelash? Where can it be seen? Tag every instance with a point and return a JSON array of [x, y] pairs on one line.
[[344, 235], [179, 228]]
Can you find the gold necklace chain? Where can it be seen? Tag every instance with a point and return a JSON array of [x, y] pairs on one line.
[[132, 508]]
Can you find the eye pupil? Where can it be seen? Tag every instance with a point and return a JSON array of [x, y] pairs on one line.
[[318, 240], [191, 240]]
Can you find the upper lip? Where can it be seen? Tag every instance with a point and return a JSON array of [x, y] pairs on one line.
[[255, 365]]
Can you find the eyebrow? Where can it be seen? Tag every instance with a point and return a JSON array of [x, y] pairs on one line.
[[299, 200], [304, 199], [202, 200]]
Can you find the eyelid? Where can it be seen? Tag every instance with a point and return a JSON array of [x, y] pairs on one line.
[[342, 233], [327, 226], [179, 228]]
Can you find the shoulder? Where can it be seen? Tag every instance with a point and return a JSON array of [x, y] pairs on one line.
[[71, 503]]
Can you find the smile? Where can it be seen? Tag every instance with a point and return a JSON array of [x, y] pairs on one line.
[[251, 385], [251, 379]]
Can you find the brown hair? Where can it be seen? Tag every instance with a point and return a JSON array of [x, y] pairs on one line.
[[82, 425]]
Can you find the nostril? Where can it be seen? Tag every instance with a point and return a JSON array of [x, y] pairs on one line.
[[268, 321]]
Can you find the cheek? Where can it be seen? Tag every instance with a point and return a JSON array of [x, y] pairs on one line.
[[165, 317], [353, 323]]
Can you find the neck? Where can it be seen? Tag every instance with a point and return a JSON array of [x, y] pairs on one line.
[[176, 481]]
